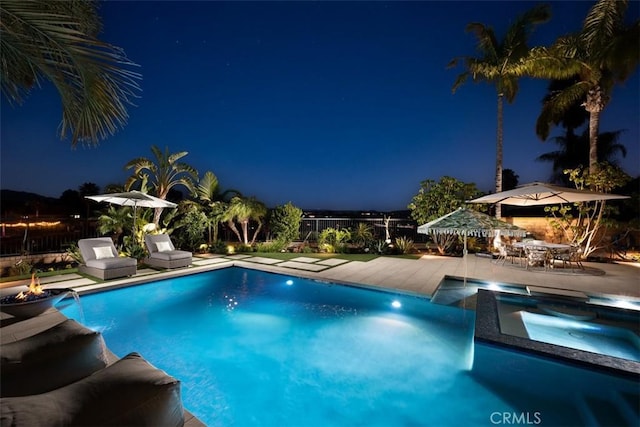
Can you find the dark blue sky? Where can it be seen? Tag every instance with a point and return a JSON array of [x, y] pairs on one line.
[[336, 105]]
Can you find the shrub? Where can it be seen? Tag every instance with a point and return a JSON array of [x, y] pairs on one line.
[[242, 248], [284, 222], [218, 247], [363, 235], [333, 240], [404, 245], [190, 230], [20, 268], [379, 247], [273, 246]]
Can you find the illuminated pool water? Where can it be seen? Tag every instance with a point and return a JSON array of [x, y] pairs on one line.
[[255, 348]]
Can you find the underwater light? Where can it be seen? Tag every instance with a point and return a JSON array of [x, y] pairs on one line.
[[289, 282], [494, 287], [396, 304]]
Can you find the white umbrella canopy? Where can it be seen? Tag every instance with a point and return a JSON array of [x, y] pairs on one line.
[[133, 198], [540, 193]]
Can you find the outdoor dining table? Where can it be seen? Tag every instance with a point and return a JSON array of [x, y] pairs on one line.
[[541, 252], [542, 245]]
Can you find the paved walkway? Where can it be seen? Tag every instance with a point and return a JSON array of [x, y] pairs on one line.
[[421, 276]]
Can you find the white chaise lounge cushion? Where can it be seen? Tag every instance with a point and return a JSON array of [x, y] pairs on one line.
[[103, 252]]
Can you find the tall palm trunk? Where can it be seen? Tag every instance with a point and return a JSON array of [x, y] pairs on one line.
[[233, 228], [594, 105], [245, 231], [499, 153]]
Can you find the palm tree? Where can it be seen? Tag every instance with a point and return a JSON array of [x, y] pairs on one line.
[[242, 210], [573, 152], [215, 202], [496, 65], [57, 41], [603, 53], [162, 175]]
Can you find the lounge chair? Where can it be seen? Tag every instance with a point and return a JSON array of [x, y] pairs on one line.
[[101, 259], [163, 254]]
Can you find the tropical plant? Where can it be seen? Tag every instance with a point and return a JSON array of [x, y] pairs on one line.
[[332, 240], [404, 245], [362, 235], [57, 41], [583, 224], [161, 174], [273, 246], [497, 64], [284, 222], [605, 52], [242, 210], [190, 230], [214, 201], [115, 221], [435, 199]]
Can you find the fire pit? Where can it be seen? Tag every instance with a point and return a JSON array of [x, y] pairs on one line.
[[33, 302]]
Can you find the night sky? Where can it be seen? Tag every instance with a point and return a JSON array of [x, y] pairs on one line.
[[333, 105]]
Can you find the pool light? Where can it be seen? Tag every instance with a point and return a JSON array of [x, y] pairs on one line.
[[289, 282], [396, 304]]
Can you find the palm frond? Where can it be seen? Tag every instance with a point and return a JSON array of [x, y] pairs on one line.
[[602, 23], [56, 41], [487, 41]]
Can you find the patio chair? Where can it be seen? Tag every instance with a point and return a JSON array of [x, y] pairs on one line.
[[163, 254], [536, 256], [101, 259], [512, 253], [573, 255]]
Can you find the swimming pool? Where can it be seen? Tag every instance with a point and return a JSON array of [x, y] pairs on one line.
[[256, 348]]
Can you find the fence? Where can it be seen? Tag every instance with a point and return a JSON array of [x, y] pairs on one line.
[[43, 236], [310, 227]]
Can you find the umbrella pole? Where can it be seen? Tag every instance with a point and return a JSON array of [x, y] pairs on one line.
[[464, 258]]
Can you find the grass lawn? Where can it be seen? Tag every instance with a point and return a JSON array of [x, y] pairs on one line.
[[285, 256]]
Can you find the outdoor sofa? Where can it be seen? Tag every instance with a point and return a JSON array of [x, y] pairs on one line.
[[163, 254], [63, 376], [101, 259]]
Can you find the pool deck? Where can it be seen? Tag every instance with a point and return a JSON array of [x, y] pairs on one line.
[[415, 276]]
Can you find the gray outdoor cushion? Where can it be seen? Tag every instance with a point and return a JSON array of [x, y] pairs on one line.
[[152, 240], [131, 392], [86, 247], [171, 255], [109, 263], [53, 358]]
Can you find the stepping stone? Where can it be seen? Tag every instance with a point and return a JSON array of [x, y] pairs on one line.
[[304, 259], [59, 278], [238, 256], [80, 281], [303, 266], [263, 260], [332, 262]]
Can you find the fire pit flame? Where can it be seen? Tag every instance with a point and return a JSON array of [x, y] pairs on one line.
[[34, 289]]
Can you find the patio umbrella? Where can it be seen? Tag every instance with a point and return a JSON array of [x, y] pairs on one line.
[[540, 193], [133, 198], [466, 222]]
